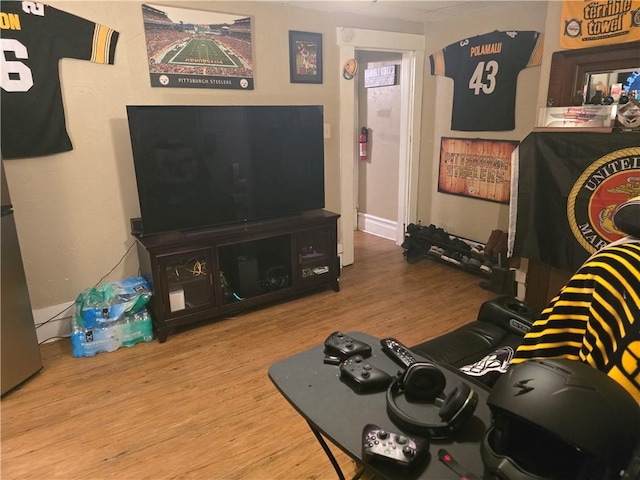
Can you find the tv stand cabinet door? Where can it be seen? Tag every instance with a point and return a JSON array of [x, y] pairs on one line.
[[186, 287], [317, 256]]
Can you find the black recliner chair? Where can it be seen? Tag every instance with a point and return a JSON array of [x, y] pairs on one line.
[[505, 320], [501, 322]]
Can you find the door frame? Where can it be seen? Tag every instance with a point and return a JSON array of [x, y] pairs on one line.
[[412, 48]]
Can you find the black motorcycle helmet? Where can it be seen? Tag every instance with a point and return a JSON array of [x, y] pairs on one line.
[[559, 419]]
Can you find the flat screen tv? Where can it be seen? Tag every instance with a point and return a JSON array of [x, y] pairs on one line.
[[204, 166]]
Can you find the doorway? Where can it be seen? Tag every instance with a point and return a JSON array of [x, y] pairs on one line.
[[378, 102], [411, 47]]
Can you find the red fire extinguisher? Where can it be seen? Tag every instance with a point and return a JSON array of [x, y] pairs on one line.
[[362, 140]]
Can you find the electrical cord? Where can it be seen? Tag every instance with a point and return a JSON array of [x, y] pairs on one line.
[[53, 338], [54, 317]]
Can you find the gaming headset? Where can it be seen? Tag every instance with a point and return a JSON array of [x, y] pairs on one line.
[[423, 382]]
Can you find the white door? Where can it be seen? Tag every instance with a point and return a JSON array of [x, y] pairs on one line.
[[379, 108]]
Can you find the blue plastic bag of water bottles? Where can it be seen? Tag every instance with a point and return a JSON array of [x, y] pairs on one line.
[[103, 305]]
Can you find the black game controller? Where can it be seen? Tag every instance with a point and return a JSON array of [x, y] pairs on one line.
[[363, 377], [403, 450], [343, 346]]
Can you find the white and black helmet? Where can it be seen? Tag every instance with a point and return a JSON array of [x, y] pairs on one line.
[[559, 419]]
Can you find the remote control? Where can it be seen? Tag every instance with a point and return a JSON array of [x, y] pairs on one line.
[[363, 377], [397, 352], [398, 448], [343, 346]]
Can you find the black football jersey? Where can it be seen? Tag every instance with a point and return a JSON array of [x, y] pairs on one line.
[[485, 72], [34, 37]]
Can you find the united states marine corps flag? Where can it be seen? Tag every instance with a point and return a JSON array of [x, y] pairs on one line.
[[568, 187], [599, 22]]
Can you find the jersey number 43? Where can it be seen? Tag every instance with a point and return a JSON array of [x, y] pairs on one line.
[[484, 78]]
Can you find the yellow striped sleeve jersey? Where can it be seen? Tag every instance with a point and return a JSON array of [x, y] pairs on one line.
[[595, 318]]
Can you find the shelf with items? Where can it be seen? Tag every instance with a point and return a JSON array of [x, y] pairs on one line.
[[316, 253], [436, 244], [314, 257], [200, 275], [474, 268], [193, 270], [185, 281], [255, 267], [308, 272]]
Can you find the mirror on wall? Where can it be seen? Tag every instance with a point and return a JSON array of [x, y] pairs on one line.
[[586, 70], [609, 87]]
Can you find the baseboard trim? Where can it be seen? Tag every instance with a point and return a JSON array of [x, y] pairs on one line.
[[377, 226]]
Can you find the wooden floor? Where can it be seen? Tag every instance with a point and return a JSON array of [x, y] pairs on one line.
[[201, 405]]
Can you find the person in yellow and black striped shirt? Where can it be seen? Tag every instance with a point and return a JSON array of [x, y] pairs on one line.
[[596, 317]]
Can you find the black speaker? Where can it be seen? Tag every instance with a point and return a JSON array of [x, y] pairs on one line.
[[137, 229], [424, 383]]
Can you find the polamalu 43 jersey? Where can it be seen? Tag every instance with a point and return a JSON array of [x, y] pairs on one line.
[[34, 37], [485, 72]]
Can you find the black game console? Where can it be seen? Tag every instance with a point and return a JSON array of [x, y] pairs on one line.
[[382, 445], [343, 346], [248, 278], [363, 377]]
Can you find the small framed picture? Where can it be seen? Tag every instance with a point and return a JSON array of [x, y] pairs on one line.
[[305, 57]]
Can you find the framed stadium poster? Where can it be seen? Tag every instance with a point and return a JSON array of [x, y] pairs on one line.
[[476, 168], [305, 57], [189, 48]]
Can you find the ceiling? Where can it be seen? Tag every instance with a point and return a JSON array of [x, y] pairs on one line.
[[426, 11]]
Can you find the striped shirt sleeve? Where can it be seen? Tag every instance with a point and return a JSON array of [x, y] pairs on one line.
[[595, 318]]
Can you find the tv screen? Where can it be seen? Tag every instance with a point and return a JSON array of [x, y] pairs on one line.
[[203, 166]]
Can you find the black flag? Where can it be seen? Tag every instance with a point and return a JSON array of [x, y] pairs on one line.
[[568, 187]]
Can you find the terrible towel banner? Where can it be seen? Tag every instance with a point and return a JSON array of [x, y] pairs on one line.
[[599, 22], [569, 185], [476, 168]]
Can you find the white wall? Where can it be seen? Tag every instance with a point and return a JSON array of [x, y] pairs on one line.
[[463, 216]]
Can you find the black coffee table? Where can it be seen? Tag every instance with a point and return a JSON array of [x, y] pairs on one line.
[[334, 411]]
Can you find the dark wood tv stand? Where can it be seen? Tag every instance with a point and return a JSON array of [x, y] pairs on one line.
[[201, 275]]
